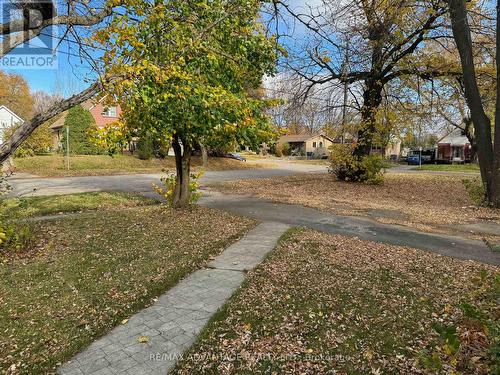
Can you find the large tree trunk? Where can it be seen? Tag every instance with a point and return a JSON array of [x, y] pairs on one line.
[[482, 124], [372, 98], [204, 155], [494, 198], [182, 195], [471, 138]]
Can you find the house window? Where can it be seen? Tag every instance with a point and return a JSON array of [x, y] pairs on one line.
[[314, 144], [320, 144], [457, 152], [109, 112]]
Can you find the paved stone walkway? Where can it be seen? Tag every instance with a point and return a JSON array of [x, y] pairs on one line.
[[172, 324]]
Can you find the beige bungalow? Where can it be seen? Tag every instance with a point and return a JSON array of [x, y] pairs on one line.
[[312, 146]]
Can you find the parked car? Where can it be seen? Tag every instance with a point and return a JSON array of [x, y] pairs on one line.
[[413, 159], [428, 157], [234, 155]]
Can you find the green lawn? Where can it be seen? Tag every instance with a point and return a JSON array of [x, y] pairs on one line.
[[49, 205], [84, 274], [88, 165], [324, 304], [310, 161], [449, 167]]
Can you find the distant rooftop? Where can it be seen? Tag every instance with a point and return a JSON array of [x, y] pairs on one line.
[[300, 137], [454, 138]]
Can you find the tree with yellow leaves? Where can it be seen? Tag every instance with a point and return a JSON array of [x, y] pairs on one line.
[[183, 72], [15, 94]]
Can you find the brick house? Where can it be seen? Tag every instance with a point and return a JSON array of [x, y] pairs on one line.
[[102, 114], [454, 148]]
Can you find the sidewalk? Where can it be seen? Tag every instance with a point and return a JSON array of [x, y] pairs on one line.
[[152, 340]]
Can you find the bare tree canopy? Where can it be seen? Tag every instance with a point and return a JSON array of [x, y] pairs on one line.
[[383, 40], [320, 111]]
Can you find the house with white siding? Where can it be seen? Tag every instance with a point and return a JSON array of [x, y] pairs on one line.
[[7, 119]]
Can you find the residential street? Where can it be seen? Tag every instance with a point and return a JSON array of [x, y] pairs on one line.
[[140, 183], [26, 185], [267, 211]]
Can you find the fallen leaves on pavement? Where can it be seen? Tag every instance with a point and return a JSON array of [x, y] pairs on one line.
[[427, 202]]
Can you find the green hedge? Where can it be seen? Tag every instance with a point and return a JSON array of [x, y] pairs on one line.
[[79, 121]]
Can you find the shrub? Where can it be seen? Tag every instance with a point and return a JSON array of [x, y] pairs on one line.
[[145, 148], [39, 142], [278, 150], [13, 235], [112, 138], [5, 230], [80, 123], [371, 168], [169, 182], [347, 167], [286, 149], [475, 190], [160, 148]]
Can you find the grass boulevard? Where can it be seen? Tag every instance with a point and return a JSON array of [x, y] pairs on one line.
[[81, 275]]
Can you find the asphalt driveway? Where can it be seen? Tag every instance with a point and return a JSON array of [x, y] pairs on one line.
[[262, 210], [365, 228]]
